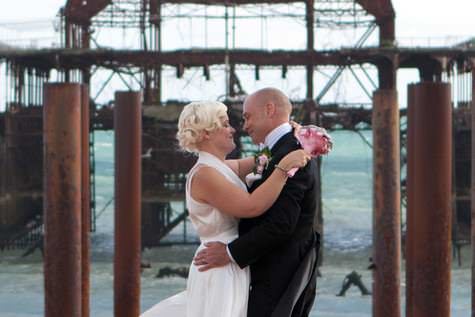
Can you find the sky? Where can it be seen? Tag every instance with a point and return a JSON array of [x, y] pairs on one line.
[[421, 22], [421, 18]]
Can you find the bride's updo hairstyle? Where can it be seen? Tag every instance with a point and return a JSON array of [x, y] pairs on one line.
[[195, 119]]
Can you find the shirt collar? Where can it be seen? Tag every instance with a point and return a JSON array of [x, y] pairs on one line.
[[274, 136]]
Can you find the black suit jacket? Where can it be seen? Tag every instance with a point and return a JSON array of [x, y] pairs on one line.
[[275, 243]]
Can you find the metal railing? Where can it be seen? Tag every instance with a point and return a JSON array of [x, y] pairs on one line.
[[29, 236]]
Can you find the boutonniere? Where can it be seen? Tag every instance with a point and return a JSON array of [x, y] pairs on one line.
[[261, 159]]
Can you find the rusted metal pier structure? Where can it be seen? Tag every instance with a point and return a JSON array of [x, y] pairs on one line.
[[82, 57]]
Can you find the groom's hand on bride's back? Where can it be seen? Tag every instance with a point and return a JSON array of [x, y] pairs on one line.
[[214, 255]]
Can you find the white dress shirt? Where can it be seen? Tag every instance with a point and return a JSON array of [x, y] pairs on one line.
[[274, 136]]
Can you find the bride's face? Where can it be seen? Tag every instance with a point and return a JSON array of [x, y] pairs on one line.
[[223, 137]]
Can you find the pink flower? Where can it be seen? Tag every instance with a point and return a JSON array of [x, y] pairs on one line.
[[262, 161], [314, 140]]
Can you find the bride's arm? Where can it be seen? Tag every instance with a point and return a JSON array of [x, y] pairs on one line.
[[211, 187], [242, 167]]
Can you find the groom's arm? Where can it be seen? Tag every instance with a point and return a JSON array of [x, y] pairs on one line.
[[278, 224]]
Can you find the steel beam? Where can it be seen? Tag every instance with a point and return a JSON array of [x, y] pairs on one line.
[[386, 205], [384, 13], [229, 3], [128, 132], [378, 8], [62, 205], [79, 58], [82, 11], [432, 200]]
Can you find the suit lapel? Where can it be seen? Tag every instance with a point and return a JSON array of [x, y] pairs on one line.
[[283, 146], [286, 140]]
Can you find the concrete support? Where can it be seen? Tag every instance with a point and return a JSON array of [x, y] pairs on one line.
[[432, 200], [410, 212], [128, 132], [386, 204], [85, 202], [62, 200]]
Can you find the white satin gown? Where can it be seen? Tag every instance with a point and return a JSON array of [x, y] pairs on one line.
[[219, 292]]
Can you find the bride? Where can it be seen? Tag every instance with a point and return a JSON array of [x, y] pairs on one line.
[[216, 198]]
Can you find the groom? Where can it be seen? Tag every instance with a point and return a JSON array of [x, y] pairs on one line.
[[280, 246]]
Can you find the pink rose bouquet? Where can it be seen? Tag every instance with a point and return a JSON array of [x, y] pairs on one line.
[[314, 140]]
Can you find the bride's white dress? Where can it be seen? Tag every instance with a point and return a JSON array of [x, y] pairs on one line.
[[219, 292]]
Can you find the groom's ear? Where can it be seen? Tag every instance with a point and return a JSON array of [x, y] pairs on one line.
[[270, 109]]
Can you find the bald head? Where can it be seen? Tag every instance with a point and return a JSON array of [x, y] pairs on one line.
[[263, 111], [265, 96]]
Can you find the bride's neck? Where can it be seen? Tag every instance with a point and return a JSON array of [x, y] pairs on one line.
[[214, 151]]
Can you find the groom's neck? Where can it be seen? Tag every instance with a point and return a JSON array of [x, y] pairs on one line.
[[276, 123]]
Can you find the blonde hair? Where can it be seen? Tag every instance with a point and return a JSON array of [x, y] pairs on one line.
[[196, 118]]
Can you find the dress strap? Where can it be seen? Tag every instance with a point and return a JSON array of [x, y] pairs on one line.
[[190, 175]]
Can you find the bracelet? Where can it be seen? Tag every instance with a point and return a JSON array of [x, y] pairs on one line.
[[281, 168]]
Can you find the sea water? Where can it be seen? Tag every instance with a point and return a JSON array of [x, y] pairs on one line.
[[347, 201]]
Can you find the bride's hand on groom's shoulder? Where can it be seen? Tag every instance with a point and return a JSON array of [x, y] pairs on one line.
[[296, 126], [214, 255]]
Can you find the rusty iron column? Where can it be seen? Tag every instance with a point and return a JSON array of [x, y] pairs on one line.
[[85, 43], [386, 204], [68, 29], [128, 133], [432, 200], [310, 20], [410, 212], [473, 188], [156, 22], [62, 199], [387, 30], [85, 202]]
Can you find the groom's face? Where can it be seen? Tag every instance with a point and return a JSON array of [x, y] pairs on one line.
[[254, 120]]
